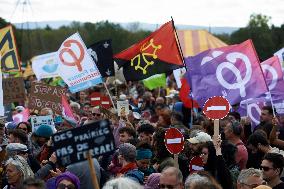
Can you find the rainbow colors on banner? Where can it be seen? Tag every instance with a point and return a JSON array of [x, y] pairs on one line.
[[8, 51]]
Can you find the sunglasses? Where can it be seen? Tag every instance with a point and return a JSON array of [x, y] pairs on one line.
[[94, 114], [24, 129], [265, 168], [64, 186]]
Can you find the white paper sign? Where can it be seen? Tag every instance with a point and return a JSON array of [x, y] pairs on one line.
[[37, 121], [123, 107], [76, 67], [45, 66], [178, 73]]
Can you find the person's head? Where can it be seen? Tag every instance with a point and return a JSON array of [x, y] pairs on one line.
[[122, 183], [266, 114], [164, 118], [46, 111], [18, 136], [126, 134], [201, 180], [153, 181], [67, 180], [24, 126], [197, 141], [31, 183], [249, 178], [97, 114], [13, 149], [171, 178], [86, 107], [233, 129], [272, 166], [145, 132], [257, 142], [42, 134], [234, 116], [75, 107], [83, 95], [160, 100], [159, 147], [127, 153], [143, 155], [159, 108], [17, 170], [176, 118], [208, 155]]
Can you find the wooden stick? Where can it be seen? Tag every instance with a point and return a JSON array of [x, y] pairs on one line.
[[176, 160], [93, 171], [109, 96], [216, 127]]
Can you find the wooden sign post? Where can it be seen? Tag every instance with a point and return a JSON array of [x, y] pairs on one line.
[[93, 171]]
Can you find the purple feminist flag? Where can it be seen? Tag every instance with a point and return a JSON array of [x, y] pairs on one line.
[[253, 111], [274, 78], [233, 72]]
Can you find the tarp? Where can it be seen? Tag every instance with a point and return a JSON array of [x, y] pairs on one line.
[[195, 41]]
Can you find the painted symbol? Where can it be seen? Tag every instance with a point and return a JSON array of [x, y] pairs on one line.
[[251, 108], [76, 60], [241, 82]]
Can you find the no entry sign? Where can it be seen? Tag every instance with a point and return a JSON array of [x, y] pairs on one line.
[[174, 140], [216, 107]]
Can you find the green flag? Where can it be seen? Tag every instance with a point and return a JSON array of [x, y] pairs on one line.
[[158, 80]]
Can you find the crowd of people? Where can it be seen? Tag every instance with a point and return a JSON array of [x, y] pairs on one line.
[[240, 157]]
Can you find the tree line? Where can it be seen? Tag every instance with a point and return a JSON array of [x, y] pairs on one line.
[[267, 39]]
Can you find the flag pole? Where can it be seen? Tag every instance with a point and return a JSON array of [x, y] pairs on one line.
[[109, 95], [272, 104]]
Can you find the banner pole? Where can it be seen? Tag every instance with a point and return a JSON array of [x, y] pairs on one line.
[[109, 95], [272, 104], [216, 127], [92, 171]]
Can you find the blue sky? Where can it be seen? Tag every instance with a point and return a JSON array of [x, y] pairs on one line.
[[198, 12]]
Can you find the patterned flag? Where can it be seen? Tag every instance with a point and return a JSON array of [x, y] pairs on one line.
[[158, 53], [280, 55], [274, 78], [76, 67], [233, 72], [184, 95], [8, 51], [66, 109], [22, 116], [101, 52], [253, 111]]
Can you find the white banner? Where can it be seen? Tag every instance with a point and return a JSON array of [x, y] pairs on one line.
[[178, 74], [76, 67], [37, 121], [45, 66]]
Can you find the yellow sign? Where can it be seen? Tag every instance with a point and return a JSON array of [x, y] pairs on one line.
[[145, 53], [8, 51]]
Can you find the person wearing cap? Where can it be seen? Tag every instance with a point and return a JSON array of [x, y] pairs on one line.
[[153, 181], [39, 138], [67, 180], [127, 157], [143, 157]]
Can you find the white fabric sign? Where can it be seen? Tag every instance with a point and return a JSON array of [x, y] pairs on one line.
[[76, 67], [45, 66]]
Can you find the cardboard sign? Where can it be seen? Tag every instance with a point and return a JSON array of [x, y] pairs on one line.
[[72, 145], [46, 96], [37, 121], [123, 107], [14, 90]]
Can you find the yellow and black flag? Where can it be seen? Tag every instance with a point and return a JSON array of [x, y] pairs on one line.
[[8, 51], [158, 53]]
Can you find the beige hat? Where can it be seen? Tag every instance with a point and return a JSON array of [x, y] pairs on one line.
[[201, 137], [262, 187]]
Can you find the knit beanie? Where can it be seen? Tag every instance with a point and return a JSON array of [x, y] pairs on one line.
[[68, 176], [153, 181], [44, 131]]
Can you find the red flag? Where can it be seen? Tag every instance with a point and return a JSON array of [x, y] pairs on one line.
[[22, 116], [158, 53], [184, 95]]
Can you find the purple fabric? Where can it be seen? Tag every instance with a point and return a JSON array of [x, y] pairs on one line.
[[68, 176], [153, 181], [273, 75], [253, 111], [233, 72]]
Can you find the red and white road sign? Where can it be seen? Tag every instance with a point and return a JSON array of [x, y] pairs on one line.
[[216, 107], [97, 99], [174, 141]]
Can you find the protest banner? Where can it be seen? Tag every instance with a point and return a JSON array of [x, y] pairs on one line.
[[37, 121], [76, 67], [73, 145], [46, 96], [45, 66], [2, 109], [14, 90], [9, 56], [122, 107]]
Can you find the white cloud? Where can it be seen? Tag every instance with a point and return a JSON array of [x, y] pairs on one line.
[[200, 12]]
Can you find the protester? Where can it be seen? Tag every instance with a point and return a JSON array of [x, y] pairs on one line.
[[122, 183], [153, 181], [250, 178], [67, 180], [171, 177], [31, 183]]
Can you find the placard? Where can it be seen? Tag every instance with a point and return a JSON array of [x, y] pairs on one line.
[[72, 145], [46, 96], [122, 107], [37, 121], [14, 90]]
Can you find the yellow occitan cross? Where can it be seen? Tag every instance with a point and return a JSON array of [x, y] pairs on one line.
[[145, 55]]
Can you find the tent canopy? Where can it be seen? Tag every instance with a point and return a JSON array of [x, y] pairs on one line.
[[195, 41]]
